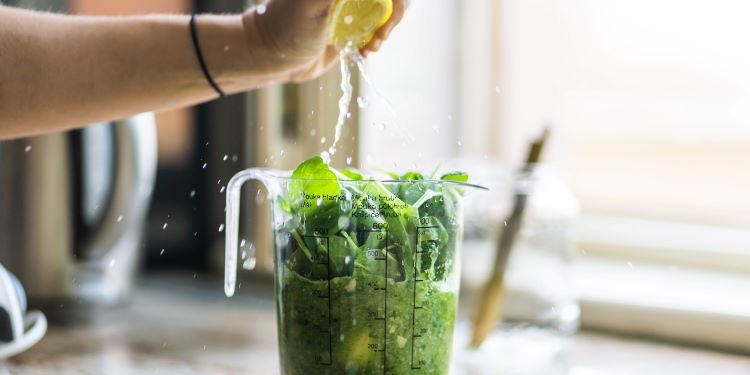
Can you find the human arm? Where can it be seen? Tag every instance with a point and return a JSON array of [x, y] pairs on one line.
[[59, 72]]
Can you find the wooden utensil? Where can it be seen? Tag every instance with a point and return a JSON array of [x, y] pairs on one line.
[[490, 304]]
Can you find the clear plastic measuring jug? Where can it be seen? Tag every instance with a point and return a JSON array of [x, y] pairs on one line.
[[366, 271]]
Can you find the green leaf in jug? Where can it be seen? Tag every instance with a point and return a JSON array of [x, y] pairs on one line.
[[457, 176]]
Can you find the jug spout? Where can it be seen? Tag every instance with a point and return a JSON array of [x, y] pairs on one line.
[[267, 178]]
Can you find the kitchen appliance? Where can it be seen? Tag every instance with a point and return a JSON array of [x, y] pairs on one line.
[[366, 271], [18, 331], [72, 211]]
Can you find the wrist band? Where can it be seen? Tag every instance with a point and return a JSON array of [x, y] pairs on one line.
[[202, 62]]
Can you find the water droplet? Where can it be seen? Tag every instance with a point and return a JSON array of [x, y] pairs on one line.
[[161, 252], [242, 243], [119, 218], [249, 258], [348, 20], [112, 263], [164, 227], [192, 194], [218, 182], [27, 149], [221, 228], [497, 89], [259, 198], [630, 264], [319, 202], [225, 157], [282, 152], [249, 264], [222, 189], [320, 88], [363, 101], [313, 132], [322, 139], [261, 9], [505, 223], [349, 161], [348, 115], [459, 143], [205, 165], [326, 157]]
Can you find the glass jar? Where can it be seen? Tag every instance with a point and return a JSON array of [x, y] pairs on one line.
[[540, 306]]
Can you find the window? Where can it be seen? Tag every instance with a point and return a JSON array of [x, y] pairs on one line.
[[650, 108]]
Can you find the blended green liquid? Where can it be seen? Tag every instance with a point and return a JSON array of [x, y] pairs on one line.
[[416, 340]]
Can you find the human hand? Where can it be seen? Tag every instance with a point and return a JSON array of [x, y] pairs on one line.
[[290, 36]]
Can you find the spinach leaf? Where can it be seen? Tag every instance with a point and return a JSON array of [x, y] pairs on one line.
[[353, 174], [457, 176], [312, 180], [370, 223]]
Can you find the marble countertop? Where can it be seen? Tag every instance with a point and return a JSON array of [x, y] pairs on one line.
[[184, 325]]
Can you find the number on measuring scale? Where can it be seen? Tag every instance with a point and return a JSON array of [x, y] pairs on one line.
[[424, 221]]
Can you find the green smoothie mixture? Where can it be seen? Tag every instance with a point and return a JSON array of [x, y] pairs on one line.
[[366, 278]]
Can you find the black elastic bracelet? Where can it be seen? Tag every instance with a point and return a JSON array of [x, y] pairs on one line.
[[202, 62]]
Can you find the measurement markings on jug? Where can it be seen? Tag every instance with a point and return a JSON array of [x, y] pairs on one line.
[[416, 333], [376, 254], [322, 235]]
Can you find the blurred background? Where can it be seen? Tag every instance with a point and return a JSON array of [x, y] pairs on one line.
[[648, 104]]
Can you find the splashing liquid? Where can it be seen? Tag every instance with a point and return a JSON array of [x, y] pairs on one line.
[[346, 57], [360, 62]]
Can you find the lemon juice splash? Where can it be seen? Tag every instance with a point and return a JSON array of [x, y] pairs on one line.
[[360, 63], [352, 25], [346, 56]]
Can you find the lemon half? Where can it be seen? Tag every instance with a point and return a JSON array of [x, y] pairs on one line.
[[357, 21]]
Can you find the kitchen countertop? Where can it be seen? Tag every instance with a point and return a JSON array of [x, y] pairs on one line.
[[184, 325]]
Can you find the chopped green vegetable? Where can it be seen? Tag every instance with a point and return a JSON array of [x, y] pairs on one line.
[[349, 246]]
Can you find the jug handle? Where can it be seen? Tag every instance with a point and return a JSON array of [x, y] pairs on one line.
[[136, 171], [232, 224]]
